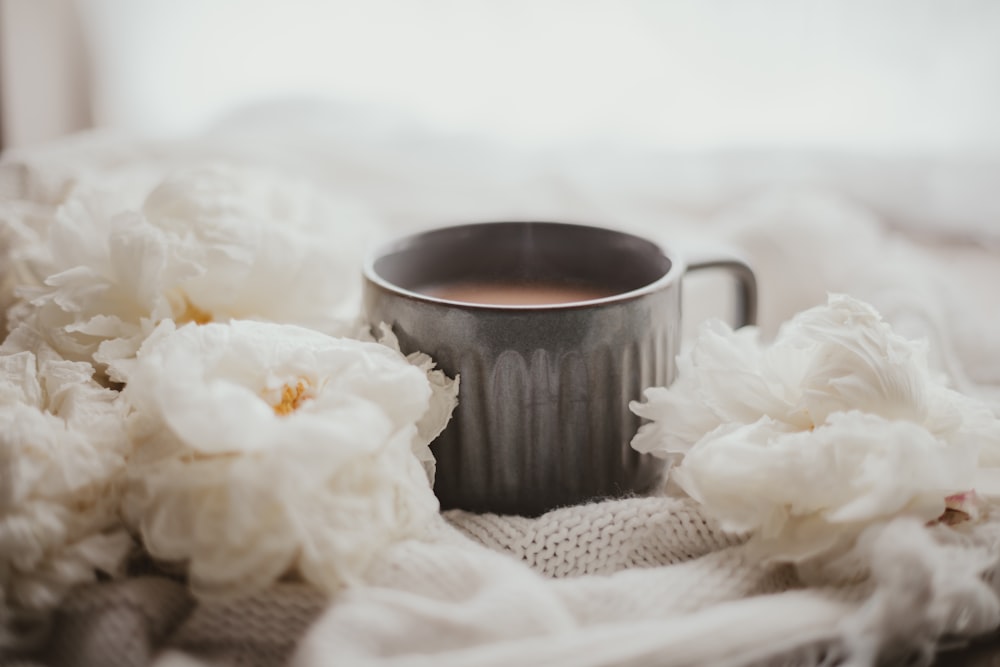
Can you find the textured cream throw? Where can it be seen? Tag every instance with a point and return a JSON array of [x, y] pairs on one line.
[[638, 581]]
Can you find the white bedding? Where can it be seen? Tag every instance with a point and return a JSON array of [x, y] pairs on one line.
[[920, 240]]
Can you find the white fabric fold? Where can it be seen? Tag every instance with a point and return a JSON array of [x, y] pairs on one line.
[[452, 601]]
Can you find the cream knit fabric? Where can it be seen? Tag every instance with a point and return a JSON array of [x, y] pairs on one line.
[[641, 581], [691, 598]]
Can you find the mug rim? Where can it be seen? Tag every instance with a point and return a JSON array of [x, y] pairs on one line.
[[400, 243]]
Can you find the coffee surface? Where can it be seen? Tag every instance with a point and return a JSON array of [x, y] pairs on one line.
[[516, 294]]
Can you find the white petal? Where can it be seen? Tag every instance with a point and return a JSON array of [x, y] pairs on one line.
[[62, 451], [836, 425], [244, 494], [859, 363], [209, 244]]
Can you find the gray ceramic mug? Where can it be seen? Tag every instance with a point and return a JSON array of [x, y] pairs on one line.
[[543, 418]]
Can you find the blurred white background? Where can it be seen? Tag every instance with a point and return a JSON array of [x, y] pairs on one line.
[[882, 77]]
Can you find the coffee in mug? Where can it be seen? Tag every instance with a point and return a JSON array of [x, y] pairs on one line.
[[501, 293]]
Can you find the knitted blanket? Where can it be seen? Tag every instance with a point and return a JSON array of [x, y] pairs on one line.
[[629, 582]]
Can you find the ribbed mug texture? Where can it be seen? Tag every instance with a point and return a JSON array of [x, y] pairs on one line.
[[543, 418], [549, 428]]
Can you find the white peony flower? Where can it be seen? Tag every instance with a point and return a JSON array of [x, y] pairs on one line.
[[63, 448], [210, 244], [837, 424], [265, 450], [802, 493], [23, 226], [443, 400]]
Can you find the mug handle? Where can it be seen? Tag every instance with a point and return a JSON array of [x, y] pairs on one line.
[[746, 281]]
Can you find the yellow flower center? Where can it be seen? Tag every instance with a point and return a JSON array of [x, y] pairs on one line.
[[291, 399], [193, 313]]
